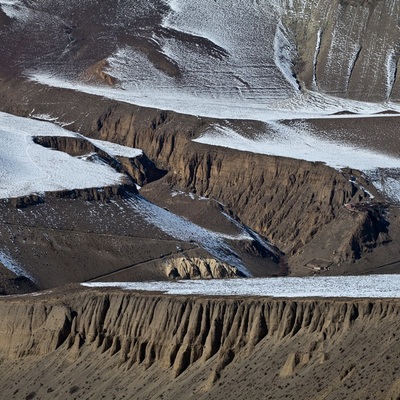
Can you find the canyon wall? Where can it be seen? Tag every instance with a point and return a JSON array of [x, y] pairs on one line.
[[288, 201]]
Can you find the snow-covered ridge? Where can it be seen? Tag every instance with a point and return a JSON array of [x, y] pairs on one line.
[[28, 168], [374, 286]]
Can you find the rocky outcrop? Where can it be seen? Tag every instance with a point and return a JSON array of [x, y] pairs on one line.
[[370, 232], [11, 283], [187, 267], [203, 346], [97, 74], [141, 169], [74, 146]]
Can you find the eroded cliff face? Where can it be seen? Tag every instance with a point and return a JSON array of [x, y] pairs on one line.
[[288, 201], [346, 48], [146, 346], [199, 268]]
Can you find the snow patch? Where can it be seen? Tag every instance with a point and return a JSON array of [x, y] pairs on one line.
[[49, 118], [191, 195], [13, 266], [388, 183], [116, 150], [373, 286], [15, 9], [27, 167]]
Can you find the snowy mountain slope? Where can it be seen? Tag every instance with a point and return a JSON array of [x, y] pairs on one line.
[[258, 62], [231, 59], [57, 228], [217, 72]]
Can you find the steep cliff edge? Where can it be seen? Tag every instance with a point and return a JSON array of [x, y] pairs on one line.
[[130, 345]]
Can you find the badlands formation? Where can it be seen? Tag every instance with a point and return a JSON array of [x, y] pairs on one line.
[[158, 140]]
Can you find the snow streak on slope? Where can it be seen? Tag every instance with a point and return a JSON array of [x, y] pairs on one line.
[[11, 265], [179, 228], [374, 286], [14, 9], [284, 54], [391, 72], [26, 167]]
